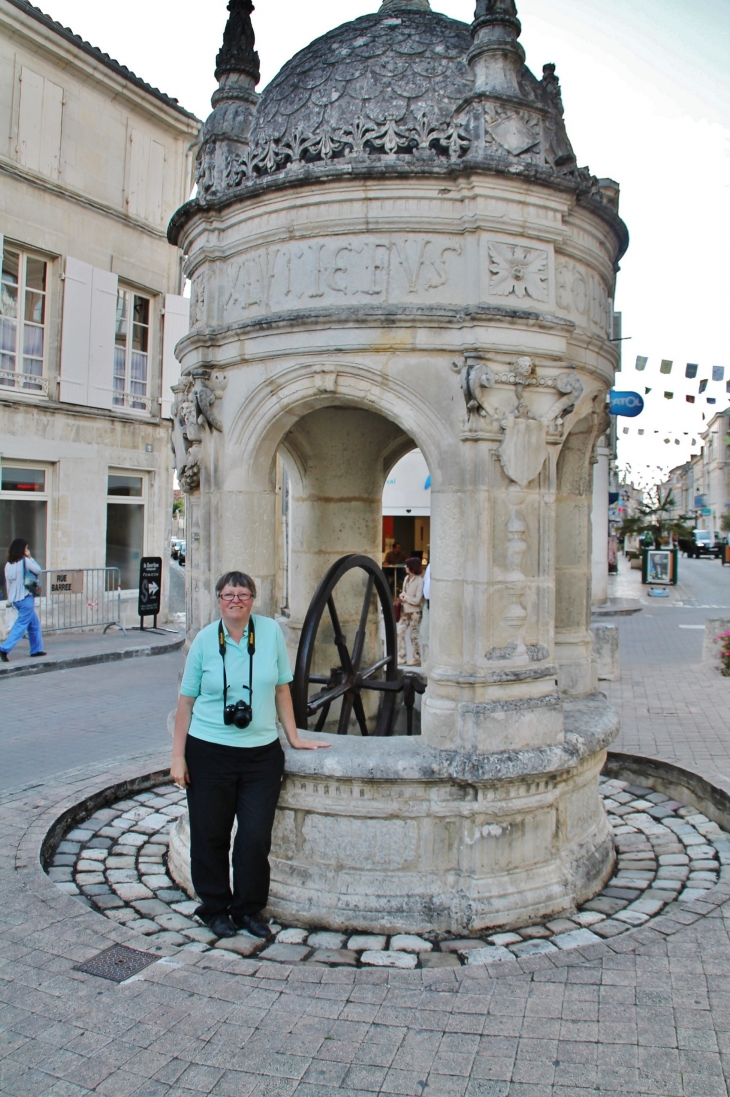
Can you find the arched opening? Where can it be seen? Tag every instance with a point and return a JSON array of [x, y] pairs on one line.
[[332, 468]]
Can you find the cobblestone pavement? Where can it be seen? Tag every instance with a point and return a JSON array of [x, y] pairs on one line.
[[645, 1013], [671, 706]]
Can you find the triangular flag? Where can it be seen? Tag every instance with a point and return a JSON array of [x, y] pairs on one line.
[[703, 386], [641, 362], [693, 442], [691, 370], [676, 441], [666, 366], [718, 373], [626, 430], [647, 391], [690, 399], [668, 395], [711, 400]]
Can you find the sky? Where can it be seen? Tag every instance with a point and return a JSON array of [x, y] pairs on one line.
[[646, 87]]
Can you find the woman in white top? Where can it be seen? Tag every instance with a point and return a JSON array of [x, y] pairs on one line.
[[411, 598], [22, 566]]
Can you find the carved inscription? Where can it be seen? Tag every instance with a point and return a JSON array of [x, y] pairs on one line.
[[312, 273], [582, 293]]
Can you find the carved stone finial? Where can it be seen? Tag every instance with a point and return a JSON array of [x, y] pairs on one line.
[[405, 5], [496, 56], [237, 53]]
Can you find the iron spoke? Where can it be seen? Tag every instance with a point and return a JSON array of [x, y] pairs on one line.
[[340, 641], [363, 675], [360, 714], [322, 717], [345, 713], [359, 644], [315, 703]]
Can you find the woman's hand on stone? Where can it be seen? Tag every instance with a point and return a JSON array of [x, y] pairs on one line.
[[306, 744], [179, 772]]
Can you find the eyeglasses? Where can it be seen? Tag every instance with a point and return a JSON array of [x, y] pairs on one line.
[[245, 597]]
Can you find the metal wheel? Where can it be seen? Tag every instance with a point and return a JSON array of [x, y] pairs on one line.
[[347, 680]]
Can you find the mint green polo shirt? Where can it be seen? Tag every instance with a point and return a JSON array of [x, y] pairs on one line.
[[203, 680]]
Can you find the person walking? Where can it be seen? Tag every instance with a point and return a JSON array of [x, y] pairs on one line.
[[411, 598], [226, 753], [21, 574]]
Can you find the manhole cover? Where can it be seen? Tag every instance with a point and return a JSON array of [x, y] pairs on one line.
[[117, 963]]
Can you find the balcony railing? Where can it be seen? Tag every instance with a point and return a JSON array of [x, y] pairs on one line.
[[23, 382], [132, 401]]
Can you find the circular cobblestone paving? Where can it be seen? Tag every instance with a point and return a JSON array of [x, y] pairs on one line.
[[116, 862]]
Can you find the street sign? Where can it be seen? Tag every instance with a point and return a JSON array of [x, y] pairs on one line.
[[706, 510], [625, 403], [66, 582], [150, 587]]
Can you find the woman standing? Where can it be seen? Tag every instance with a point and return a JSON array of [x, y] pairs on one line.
[[226, 752], [411, 598], [21, 567]]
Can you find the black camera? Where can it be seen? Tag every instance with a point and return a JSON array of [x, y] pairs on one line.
[[240, 715]]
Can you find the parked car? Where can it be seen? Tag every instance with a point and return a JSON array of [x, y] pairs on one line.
[[701, 543], [175, 547], [181, 553]]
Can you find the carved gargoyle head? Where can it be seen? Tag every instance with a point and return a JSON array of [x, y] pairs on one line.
[[237, 54]]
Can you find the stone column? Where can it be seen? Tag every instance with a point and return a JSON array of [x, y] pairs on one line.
[[599, 557]]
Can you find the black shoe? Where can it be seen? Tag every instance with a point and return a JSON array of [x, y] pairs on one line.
[[4, 656], [221, 925], [253, 924], [37, 654]]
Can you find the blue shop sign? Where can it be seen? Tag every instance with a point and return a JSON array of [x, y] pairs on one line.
[[625, 403]]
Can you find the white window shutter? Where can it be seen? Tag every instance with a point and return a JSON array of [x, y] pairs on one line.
[[136, 192], [177, 324], [50, 148], [101, 338], [30, 119], [154, 182], [75, 332]]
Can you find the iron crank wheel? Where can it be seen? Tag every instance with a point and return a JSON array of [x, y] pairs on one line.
[[349, 679]]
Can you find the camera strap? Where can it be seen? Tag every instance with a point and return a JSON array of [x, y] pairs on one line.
[[251, 653]]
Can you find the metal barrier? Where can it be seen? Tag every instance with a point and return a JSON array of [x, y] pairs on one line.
[[80, 598]]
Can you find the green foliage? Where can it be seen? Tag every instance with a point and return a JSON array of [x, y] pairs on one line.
[[178, 508], [725, 522], [654, 516]]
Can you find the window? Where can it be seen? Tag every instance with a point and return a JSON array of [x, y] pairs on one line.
[[125, 526], [22, 321], [23, 512], [131, 351]]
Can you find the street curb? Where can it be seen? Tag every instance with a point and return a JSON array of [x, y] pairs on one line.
[[74, 661]]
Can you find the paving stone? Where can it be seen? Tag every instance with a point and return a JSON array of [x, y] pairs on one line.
[[132, 892], [631, 917], [530, 933], [333, 956], [387, 958], [610, 928], [408, 942], [326, 939], [108, 902], [462, 944], [186, 907], [79, 835], [96, 889], [150, 907], [701, 866], [200, 933], [292, 936], [560, 925], [367, 942], [171, 920], [245, 945], [690, 894], [504, 939], [122, 876], [621, 893], [577, 938], [533, 948], [439, 960], [646, 906], [588, 918], [172, 895], [82, 878], [492, 954], [284, 954], [144, 925]]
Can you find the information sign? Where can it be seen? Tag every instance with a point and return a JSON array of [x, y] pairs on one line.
[[67, 582], [150, 587], [625, 403]]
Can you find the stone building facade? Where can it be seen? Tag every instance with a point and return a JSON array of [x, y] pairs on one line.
[[394, 247], [92, 163]]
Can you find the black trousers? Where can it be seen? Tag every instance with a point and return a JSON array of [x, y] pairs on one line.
[[228, 783]]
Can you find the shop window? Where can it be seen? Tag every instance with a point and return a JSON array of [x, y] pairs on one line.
[[23, 289], [131, 351], [23, 512], [125, 526]]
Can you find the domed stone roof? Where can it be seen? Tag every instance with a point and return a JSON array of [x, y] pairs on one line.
[[385, 72], [405, 89]]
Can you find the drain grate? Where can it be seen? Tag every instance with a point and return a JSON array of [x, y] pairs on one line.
[[117, 963]]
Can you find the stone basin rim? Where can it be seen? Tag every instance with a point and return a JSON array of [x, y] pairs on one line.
[[591, 725]]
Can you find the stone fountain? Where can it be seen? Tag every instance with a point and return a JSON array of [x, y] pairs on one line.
[[394, 247]]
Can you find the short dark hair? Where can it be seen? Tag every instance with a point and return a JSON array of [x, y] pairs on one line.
[[16, 551], [235, 579], [415, 564]]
